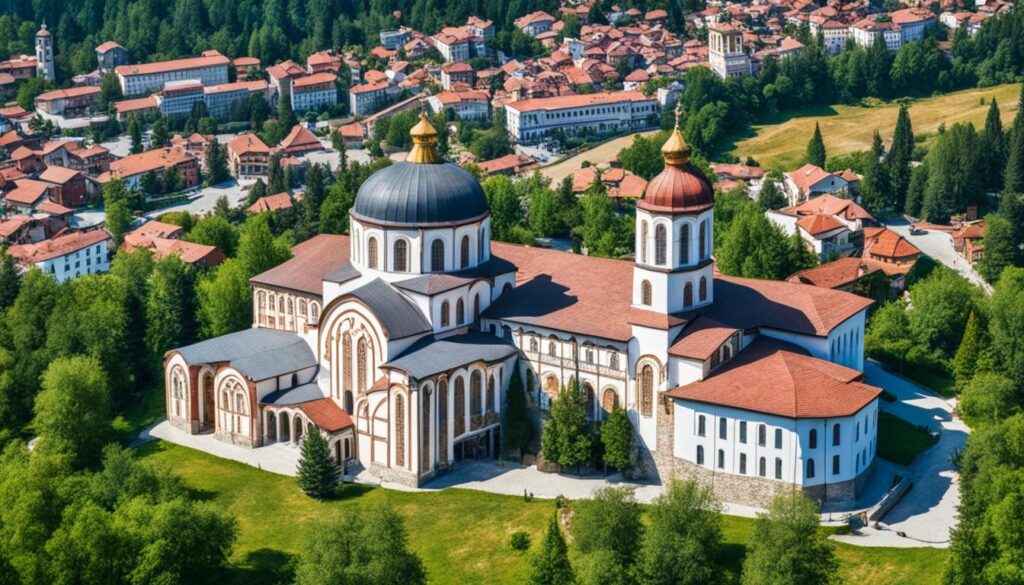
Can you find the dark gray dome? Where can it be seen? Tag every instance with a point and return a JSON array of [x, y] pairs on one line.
[[408, 193]]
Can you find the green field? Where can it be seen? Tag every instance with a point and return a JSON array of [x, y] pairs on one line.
[[849, 129], [461, 535], [899, 441]]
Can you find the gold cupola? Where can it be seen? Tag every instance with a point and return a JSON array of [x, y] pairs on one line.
[[424, 143]]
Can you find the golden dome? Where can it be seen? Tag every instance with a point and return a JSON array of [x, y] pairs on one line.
[[675, 150], [424, 141]]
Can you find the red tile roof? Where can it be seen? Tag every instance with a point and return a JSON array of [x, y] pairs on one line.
[[831, 205], [887, 243], [271, 203], [247, 143], [58, 175], [125, 106], [207, 60], [103, 48], [151, 160], [819, 223], [27, 191], [311, 261], [778, 378], [577, 101], [701, 338], [300, 139], [56, 247], [315, 79], [806, 176], [836, 274], [71, 92], [326, 414]]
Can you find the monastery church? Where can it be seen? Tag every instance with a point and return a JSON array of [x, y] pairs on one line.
[[399, 341]]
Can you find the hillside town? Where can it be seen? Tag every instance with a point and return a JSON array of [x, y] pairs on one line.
[[696, 292]]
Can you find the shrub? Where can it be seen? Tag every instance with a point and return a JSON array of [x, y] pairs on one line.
[[519, 541]]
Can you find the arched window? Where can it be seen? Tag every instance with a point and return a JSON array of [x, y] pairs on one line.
[[460, 312], [464, 252], [482, 245], [778, 468], [446, 319], [442, 421], [361, 365], [302, 306], [684, 244], [399, 430], [723, 427], [762, 467], [643, 242], [703, 243], [609, 400], [534, 346], [437, 256], [835, 465], [659, 245], [700, 455], [688, 294], [552, 351], [812, 439], [401, 256], [810, 469], [588, 394], [743, 463], [721, 459], [645, 293], [371, 253], [476, 310], [314, 312], [613, 360], [836, 434], [475, 394], [703, 288], [701, 425], [646, 390], [460, 405], [489, 402], [762, 435]]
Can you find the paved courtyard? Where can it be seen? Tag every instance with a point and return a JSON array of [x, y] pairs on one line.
[[939, 245]]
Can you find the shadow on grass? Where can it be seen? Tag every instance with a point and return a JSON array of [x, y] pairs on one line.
[[731, 559], [265, 566]]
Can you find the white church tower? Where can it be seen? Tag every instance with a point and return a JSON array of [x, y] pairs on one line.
[[674, 222], [44, 55]]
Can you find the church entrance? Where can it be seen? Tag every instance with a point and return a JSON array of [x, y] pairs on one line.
[[486, 445], [209, 403]]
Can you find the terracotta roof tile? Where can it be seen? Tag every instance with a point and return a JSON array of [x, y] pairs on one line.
[[835, 274], [778, 378], [701, 338], [56, 247], [819, 223], [887, 243], [326, 414], [271, 203], [208, 60], [311, 261]]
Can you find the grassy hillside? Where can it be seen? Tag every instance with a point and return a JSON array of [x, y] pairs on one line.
[[461, 535], [849, 128]]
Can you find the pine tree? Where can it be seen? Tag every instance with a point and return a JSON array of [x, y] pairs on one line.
[[915, 192], [285, 115], [216, 164], [898, 160], [317, 474], [771, 196], [876, 181], [276, 177], [135, 132], [1013, 176], [568, 442], [518, 429], [993, 148], [259, 189], [161, 135], [10, 280], [1000, 249], [312, 199], [551, 563], [975, 352], [816, 148], [342, 158]]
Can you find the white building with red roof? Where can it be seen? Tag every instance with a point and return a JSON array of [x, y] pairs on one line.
[[810, 181], [211, 68], [399, 343], [529, 121], [67, 255], [314, 91]]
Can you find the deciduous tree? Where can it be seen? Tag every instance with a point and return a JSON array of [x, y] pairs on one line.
[[550, 565], [786, 547], [617, 438], [73, 411], [682, 543]]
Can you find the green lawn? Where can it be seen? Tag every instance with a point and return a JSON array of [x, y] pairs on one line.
[[461, 535], [849, 129], [899, 441]]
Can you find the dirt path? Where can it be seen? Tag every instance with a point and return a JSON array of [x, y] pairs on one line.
[[599, 154]]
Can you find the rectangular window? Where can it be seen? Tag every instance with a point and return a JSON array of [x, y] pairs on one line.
[[778, 438], [743, 432], [722, 427], [743, 463], [835, 465], [778, 468]]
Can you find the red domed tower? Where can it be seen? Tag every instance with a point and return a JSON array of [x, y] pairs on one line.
[[674, 222]]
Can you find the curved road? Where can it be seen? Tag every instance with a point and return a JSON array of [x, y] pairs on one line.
[[601, 153]]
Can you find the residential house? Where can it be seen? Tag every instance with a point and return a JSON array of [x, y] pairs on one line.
[[810, 181], [72, 187], [73, 102], [535, 23], [969, 240], [367, 98], [892, 253], [469, 105], [510, 164], [133, 167], [68, 255], [248, 156], [275, 202], [110, 56], [299, 141]]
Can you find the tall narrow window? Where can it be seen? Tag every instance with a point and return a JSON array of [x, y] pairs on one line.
[[688, 294], [645, 293], [743, 463], [361, 365], [460, 312], [721, 459], [399, 430], [659, 245], [464, 252], [701, 424], [346, 362], [778, 468], [836, 434], [490, 394], [371, 253], [460, 406], [700, 455], [684, 244], [703, 289], [445, 314], [778, 438], [646, 390], [812, 439], [482, 245], [476, 309], [762, 467], [437, 256], [835, 465], [475, 394], [401, 256], [723, 426], [762, 435], [643, 242], [810, 469], [703, 243], [743, 432]]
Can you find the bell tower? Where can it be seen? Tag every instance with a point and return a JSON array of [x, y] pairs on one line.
[[673, 272], [44, 55]]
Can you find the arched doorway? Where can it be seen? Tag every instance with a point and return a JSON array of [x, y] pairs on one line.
[[609, 400], [588, 393], [271, 426], [297, 429]]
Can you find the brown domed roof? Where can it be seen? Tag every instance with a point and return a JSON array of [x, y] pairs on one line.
[[681, 187]]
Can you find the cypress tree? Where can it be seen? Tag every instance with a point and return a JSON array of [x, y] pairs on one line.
[[617, 438], [1013, 177], [816, 148], [898, 160], [551, 563], [135, 132], [876, 180], [518, 430], [10, 280], [317, 474], [975, 352], [993, 148]]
